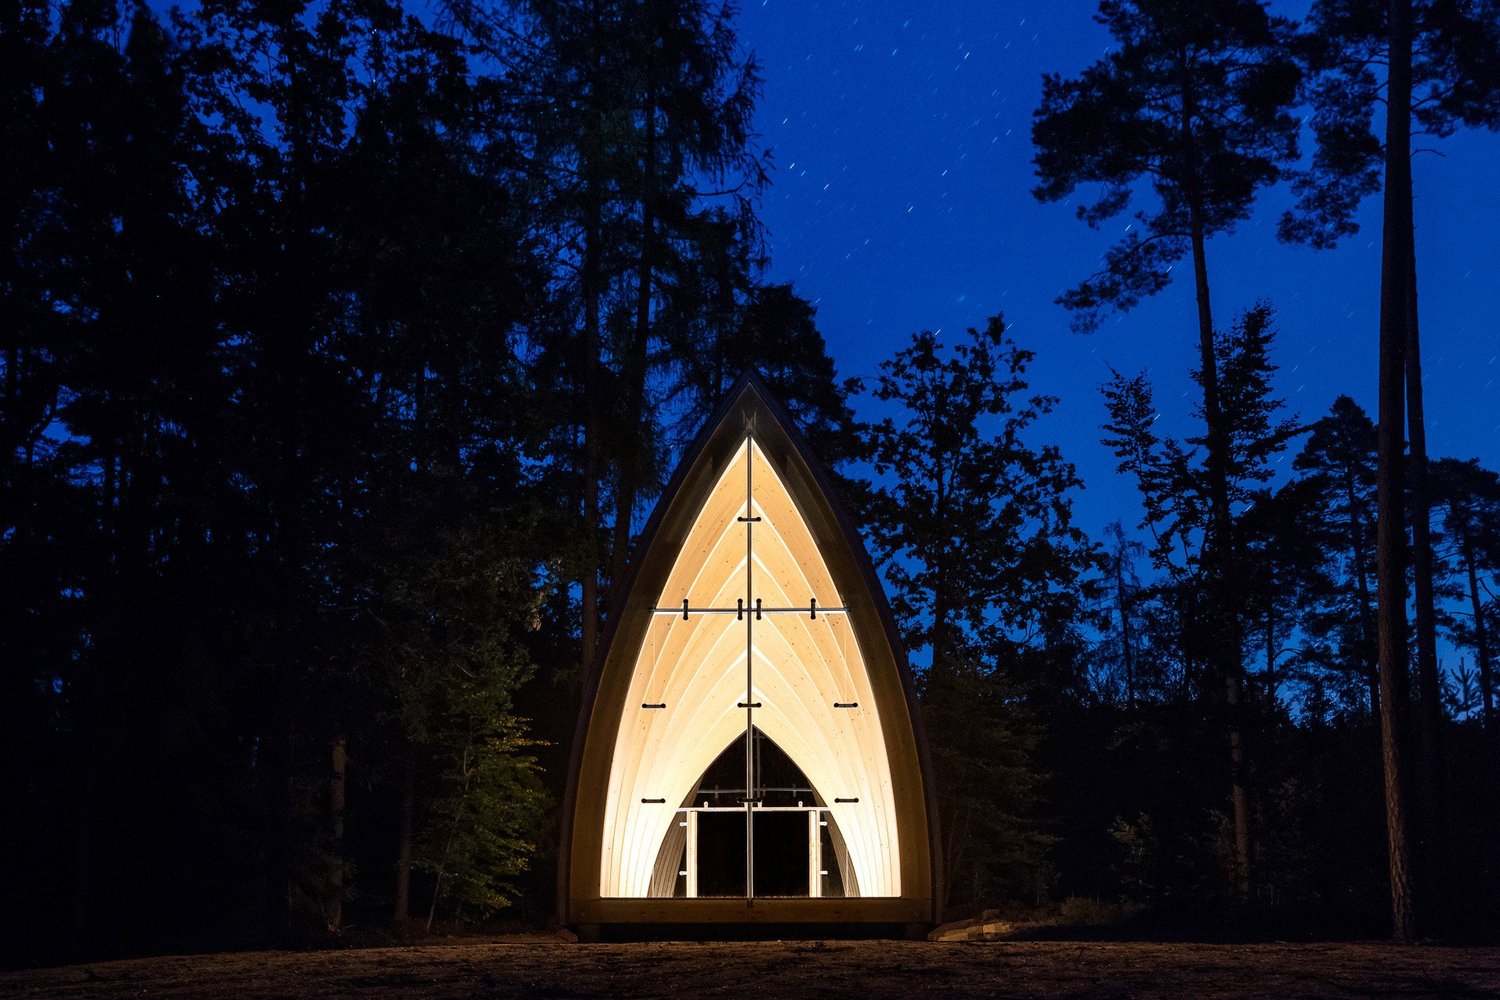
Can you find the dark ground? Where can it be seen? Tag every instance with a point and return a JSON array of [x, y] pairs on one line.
[[869, 970]]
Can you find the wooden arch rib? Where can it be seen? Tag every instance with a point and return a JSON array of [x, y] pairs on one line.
[[694, 549]]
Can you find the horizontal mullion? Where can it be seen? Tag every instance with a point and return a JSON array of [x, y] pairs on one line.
[[698, 611], [739, 807], [746, 611], [802, 611]]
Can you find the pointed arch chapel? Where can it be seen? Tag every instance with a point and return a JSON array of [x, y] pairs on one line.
[[750, 748]]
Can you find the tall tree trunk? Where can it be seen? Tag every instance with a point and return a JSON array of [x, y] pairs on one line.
[[285, 355], [276, 766], [405, 825], [338, 759], [1390, 543], [94, 694], [11, 432], [85, 831], [1481, 641], [1127, 640], [1231, 647], [1433, 831], [1369, 659], [1271, 684]]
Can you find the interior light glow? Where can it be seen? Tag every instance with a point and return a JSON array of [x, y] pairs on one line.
[[816, 701]]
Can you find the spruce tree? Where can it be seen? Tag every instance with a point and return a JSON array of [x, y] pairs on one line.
[[646, 170], [1337, 467], [1180, 495], [1467, 496]]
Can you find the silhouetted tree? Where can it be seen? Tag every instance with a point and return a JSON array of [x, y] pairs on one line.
[[1468, 497], [1281, 576], [774, 332], [1123, 590], [1441, 64], [972, 528], [1196, 104], [645, 170], [1179, 496], [1338, 467]]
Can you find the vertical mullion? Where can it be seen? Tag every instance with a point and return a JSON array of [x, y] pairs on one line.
[[749, 674], [814, 855], [691, 855]]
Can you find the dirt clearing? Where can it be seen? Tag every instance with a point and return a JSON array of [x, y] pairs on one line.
[[815, 970]]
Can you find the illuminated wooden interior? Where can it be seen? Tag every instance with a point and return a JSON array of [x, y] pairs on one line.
[[803, 667], [786, 635]]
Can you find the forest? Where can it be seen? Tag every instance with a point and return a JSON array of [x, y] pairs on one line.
[[347, 345]]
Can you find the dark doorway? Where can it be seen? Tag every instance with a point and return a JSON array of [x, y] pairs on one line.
[[721, 853], [781, 847], [781, 854]]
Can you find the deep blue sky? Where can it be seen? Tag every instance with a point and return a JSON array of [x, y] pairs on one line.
[[901, 201]]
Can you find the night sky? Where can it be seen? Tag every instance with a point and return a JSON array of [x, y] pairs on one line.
[[901, 200]]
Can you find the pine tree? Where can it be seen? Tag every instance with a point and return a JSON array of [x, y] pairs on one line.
[[1194, 104], [1441, 63]]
